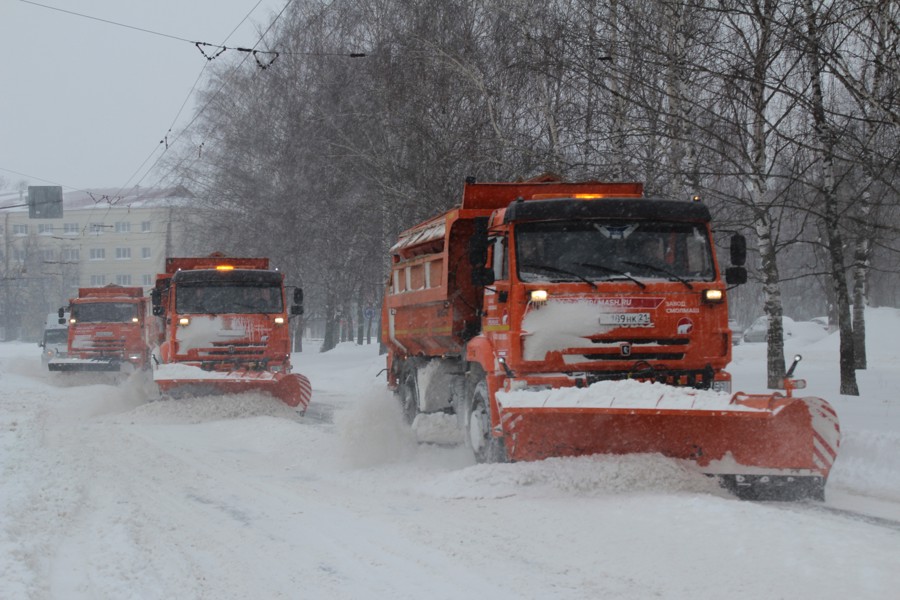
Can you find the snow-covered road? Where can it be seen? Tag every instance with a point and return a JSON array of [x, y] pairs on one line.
[[107, 494]]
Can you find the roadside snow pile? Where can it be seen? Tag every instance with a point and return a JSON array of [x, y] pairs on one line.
[[590, 476], [868, 463]]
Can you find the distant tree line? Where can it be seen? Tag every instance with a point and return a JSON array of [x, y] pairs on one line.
[[782, 115]]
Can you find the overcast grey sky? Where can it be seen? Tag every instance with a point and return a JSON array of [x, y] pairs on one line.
[[84, 103]]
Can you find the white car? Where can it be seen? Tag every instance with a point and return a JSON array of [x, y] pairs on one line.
[[759, 330]]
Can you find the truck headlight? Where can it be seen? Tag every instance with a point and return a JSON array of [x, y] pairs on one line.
[[538, 296], [184, 321], [713, 296]]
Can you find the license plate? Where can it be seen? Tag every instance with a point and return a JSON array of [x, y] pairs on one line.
[[626, 319]]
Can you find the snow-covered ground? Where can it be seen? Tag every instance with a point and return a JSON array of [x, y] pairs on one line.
[[105, 493]]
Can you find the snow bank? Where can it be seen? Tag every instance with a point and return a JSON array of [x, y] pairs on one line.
[[868, 463]]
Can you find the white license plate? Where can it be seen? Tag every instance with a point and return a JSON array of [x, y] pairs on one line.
[[626, 319]]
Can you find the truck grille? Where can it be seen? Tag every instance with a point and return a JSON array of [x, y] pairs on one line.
[[228, 351], [638, 349], [102, 347]]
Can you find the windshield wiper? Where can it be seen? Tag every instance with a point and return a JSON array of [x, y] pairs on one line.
[[613, 271], [659, 270], [561, 272]]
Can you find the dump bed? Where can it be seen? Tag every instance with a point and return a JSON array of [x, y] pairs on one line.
[[432, 304]]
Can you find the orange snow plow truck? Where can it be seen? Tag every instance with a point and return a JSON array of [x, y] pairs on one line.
[[223, 327], [107, 330], [566, 319]]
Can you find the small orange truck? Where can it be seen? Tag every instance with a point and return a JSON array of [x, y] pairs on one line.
[[222, 326], [565, 319], [108, 330]]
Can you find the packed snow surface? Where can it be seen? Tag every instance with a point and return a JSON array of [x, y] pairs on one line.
[[108, 492]]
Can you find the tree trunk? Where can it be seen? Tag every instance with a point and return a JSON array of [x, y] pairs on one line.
[[773, 308], [360, 317], [331, 322], [825, 140]]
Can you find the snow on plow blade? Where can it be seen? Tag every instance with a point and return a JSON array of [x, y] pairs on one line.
[[760, 446], [180, 381]]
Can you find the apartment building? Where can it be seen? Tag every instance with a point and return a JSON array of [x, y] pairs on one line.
[[103, 237]]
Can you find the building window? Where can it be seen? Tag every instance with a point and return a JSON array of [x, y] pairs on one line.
[[145, 226], [97, 280], [45, 228], [145, 252], [96, 228], [98, 253], [20, 229], [146, 280], [71, 254], [70, 228], [48, 255], [123, 279], [123, 253], [123, 227]]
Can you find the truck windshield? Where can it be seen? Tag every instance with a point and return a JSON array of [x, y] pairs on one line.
[[56, 336], [228, 298], [104, 312], [600, 250]]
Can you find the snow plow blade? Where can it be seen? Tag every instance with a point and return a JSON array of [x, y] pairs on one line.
[[184, 381], [759, 446], [72, 365]]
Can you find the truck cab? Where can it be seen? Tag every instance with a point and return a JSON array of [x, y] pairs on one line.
[[107, 330], [55, 338]]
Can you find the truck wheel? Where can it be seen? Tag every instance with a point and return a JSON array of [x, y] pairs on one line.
[[409, 395], [485, 447]]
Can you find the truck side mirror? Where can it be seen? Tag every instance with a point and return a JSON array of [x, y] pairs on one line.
[[297, 308], [735, 275], [478, 243], [156, 301], [61, 313], [482, 276], [738, 250]]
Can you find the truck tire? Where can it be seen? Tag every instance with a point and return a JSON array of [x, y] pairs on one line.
[[408, 394], [485, 447]]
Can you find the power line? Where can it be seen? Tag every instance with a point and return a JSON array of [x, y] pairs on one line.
[[210, 99], [209, 51]]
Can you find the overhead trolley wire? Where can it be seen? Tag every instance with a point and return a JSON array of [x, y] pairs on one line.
[[263, 58]]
